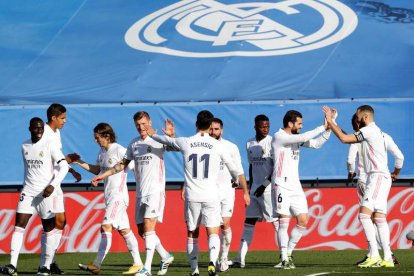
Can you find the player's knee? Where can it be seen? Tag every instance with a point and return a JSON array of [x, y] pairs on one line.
[[60, 221], [124, 232], [106, 228]]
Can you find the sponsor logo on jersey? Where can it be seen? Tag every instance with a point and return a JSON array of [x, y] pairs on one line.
[[202, 29], [149, 149], [110, 160], [41, 153]]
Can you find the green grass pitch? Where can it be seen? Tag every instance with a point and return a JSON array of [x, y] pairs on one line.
[[257, 263]]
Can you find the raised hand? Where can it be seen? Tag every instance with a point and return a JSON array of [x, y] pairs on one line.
[[169, 129]]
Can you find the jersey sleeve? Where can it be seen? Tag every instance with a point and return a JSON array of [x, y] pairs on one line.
[[237, 158], [318, 142], [395, 151], [351, 159], [58, 158], [175, 143], [300, 138], [229, 163]]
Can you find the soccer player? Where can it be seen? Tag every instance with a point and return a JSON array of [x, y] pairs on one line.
[[116, 199], [262, 203], [226, 190], [378, 182], [148, 156], [56, 116], [40, 183], [290, 197], [202, 155], [355, 152]]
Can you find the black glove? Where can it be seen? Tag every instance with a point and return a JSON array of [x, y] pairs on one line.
[[259, 191]]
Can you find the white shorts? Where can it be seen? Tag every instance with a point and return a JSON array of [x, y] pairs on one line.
[[150, 206], [290, 203], [205, 213], [262, 207], [116, 215], [29, 204], [376, 193], [58, 202], [227, 206]]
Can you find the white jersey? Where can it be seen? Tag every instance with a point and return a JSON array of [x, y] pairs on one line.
[[373, 149], [224, 177], [286, 155], [115, 185], [202, 155], [355, 151], [39, 160], [148, 156], [259, 155], [54, 137]]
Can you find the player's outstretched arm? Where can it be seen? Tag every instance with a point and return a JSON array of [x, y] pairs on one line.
[[95, 169], [344, 138], [120, 166]]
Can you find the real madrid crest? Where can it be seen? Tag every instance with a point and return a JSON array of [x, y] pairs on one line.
[[110, 161]]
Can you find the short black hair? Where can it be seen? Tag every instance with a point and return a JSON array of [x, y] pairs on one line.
[[105, 130], [35, 120], [55, 109], [218, 121], [291, 116], [354, 122], [204, 119], [260, 118], [366, 108]]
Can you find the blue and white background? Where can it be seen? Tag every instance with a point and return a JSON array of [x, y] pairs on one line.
[[106, 60]]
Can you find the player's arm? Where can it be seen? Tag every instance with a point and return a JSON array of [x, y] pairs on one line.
[[95, 169], [63, 165], [300, 138], [344, 138], [397, 154], [118, 167], [235, 173], [350, 162]]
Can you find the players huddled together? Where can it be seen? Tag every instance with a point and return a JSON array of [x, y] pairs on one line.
[[212, 170]]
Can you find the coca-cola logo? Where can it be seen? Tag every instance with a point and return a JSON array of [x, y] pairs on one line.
[[333, 221]]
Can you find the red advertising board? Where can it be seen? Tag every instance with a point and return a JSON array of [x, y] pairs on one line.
[[333, 222]]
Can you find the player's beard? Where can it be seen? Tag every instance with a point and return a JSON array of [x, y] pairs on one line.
[[217, 137], [361, 123]]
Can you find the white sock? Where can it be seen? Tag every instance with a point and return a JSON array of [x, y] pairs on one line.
[[192, 253], [246, 240], [132, 244], [283, 237], [214, 247], [58, 238], [295, 236], [16, 244], [42, 248], [377, 237], [50, 246], [369, 231], [150, 242], [160, 249], [104, 246], [384, 236], [226, 236], [276, 228]]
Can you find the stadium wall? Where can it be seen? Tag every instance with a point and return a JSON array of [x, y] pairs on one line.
[[333, 222]]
